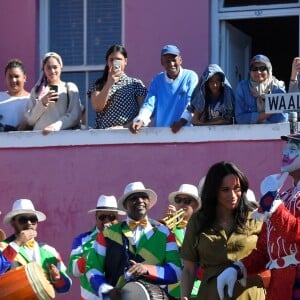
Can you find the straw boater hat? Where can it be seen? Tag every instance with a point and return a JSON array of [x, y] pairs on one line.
[[186, 189], [137, 187], [23, 206], [107, 203]]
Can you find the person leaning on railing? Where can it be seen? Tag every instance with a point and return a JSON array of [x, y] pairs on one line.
[[294, 85], [250, 94], [13, 102]]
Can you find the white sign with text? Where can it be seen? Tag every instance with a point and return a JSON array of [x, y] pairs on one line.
[[278, 103]]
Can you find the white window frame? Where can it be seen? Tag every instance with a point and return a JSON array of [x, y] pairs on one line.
[[44, 37], [220, 14]]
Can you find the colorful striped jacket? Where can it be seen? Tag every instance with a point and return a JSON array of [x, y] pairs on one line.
[[46, 255], [80, 248], [110, 255]]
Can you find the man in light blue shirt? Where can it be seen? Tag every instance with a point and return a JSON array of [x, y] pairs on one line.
[[169, 94]]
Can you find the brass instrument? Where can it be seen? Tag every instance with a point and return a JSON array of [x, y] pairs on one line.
[[172, 220], [2, 235]]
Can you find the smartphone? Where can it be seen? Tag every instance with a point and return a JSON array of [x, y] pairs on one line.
[[53, 88], [116, 64]]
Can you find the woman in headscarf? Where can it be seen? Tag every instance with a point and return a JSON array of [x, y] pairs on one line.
[[250, 94], [212, 101], [55, 104]]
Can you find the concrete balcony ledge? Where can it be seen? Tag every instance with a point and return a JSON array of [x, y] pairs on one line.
[[33, 139]]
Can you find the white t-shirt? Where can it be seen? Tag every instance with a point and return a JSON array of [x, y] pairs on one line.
[[12, 109]]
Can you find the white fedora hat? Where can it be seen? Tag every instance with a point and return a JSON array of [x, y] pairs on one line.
[[137, 187], [23, 206], [107, 203], [187, 189]]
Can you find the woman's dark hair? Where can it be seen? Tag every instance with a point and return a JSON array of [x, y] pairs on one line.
[[209, 195], [114, 48], [15, 63]]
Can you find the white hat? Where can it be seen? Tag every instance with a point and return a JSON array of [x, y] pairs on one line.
[[23, 206], [187, 189], [107, 203], [137, 187]]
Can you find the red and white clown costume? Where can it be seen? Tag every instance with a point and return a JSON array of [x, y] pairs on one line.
[[278, 245]]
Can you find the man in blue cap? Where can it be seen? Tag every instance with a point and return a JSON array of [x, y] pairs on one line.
[[169, 94]]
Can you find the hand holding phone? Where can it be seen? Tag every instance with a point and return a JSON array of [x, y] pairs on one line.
[[54, 89], [116, 64]]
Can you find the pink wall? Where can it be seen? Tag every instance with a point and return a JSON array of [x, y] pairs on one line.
[[65, 182], [149, 25], [18, 31]]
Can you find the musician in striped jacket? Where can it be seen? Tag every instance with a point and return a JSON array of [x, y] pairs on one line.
[[106, 214], [138, 248], [21, 247]]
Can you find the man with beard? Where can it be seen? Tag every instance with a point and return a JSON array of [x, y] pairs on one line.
[[22, 248], [138, 248], [278, 246]]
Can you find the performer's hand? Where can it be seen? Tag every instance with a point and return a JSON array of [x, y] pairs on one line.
[[266, 201], [227, 278], [54, 272], [24, 236], [137, 269], [273, 182]]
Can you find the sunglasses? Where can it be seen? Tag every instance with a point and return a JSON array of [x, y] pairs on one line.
[[136, 196], [260, 69], [109, 217], [185, 200], [24, 219]]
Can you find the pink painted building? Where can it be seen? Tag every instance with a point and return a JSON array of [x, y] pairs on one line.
[[65, 172]]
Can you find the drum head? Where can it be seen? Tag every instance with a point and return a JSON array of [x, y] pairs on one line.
[[39, 282], [134, 291]]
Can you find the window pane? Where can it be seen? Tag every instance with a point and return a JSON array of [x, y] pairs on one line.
[[66, 30], [232, 3], [79, 78], [104, 21]]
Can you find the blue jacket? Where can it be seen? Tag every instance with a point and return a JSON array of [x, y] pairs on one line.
[[246, 109]]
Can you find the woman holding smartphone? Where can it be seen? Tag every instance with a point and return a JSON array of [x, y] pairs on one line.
[[116, 97], [55, 104]]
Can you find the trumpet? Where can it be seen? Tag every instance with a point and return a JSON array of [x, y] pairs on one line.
[[172, 220]]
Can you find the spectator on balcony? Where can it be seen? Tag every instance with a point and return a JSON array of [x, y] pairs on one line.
[[212, 101], [13, 102], [294, 86], [169, 94], [54, 104], [116, 97], [250, 94]]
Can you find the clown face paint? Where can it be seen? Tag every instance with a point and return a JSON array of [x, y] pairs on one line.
[[291, 157]]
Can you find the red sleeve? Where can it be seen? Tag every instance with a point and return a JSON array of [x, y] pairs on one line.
[[256, 261], [286, 224]]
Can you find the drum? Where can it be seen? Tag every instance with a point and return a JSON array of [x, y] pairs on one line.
[[27, 282], [137, 290]]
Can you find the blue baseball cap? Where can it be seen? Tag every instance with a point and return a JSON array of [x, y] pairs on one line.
[[170, 49]]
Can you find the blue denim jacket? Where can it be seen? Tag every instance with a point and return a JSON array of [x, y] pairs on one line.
[[246, 109]]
